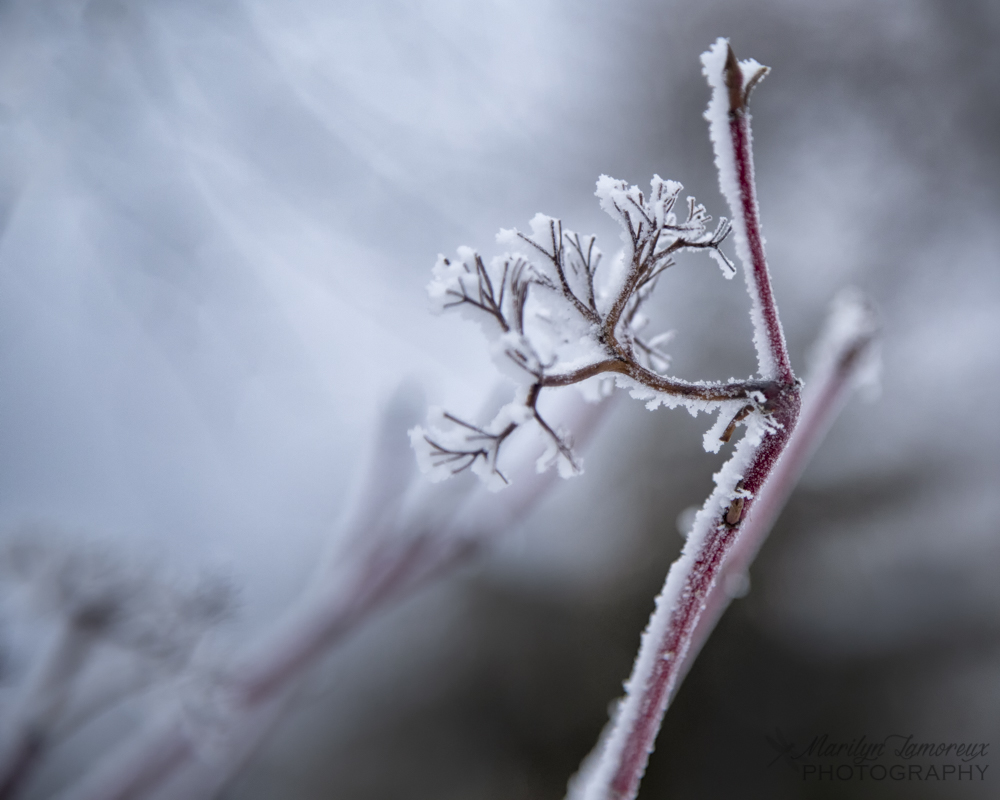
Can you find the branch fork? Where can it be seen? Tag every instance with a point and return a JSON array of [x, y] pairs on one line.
[[752, 485]]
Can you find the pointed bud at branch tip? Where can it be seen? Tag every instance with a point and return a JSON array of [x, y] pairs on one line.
[[741, 78], [734, 82]]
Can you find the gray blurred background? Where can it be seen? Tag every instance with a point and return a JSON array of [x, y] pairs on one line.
[[217, 223]]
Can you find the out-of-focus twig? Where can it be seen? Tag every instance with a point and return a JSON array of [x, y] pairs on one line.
[[389, 558], [99, 599]]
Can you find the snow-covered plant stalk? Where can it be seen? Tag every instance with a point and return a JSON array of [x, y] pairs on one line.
[[556, 320], [388, 549], [668, 642], [844, 359]]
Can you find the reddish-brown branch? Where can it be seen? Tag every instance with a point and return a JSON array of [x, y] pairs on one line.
[[826, 391], [711, 392], [695, 593]]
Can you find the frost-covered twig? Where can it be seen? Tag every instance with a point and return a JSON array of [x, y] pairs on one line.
[[557, 326], [615, 770], [556, 320], [666, 644], [387, 556], [845, 359], [728, 116]]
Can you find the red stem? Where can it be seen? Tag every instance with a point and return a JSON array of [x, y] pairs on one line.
[[745, 212], [775, 468]]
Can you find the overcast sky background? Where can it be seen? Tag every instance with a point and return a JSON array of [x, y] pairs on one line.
[[218, 220]]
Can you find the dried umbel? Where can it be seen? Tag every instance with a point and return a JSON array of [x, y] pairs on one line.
[[557, 317]]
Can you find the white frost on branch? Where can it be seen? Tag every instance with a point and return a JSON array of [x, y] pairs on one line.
[[450, 445], [713, 439], [657, 212]]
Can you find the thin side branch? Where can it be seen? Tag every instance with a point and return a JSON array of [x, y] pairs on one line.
[[729, 124], [739, 126]]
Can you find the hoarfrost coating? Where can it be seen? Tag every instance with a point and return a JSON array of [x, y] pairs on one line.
[[698, 583]]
